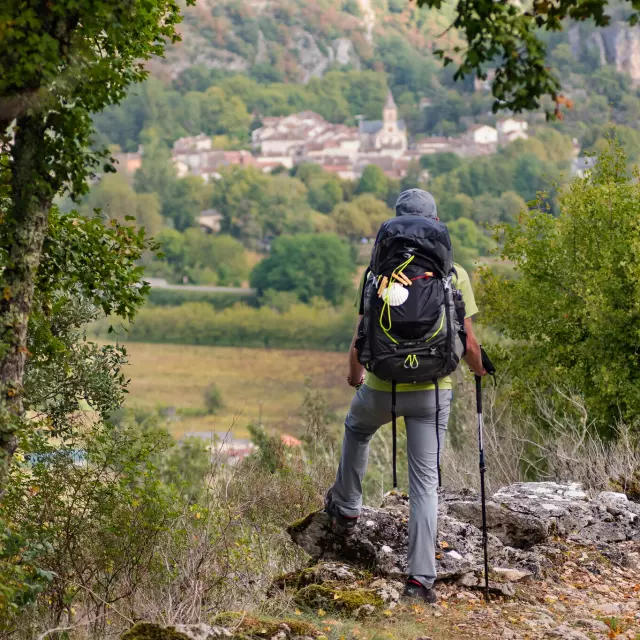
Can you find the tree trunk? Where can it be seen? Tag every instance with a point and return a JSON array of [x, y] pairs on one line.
[[25, 226]]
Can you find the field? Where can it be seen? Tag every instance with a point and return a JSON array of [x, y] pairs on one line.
[[252, 382]]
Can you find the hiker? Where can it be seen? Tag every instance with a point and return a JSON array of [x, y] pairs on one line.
[[418, 402]]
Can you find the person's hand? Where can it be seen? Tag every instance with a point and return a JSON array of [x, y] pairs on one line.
[[355, 381]]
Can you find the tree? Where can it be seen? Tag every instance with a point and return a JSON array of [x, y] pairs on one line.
[[572, 312], [509, 32], [59, 63], [314, 265], [255, 206], [157, 173], [376, 210], [184, 203], [460, 206], [325, 193], [114, 197], [204, 258], [351, 221], [373, 181], [438, 163]]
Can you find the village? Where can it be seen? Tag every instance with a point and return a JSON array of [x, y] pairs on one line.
[[283, 142]]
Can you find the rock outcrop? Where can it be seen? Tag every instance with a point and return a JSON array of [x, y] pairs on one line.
[[522, 519], [617, 45]]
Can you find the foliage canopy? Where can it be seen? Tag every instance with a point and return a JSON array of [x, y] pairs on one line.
[[311, 265], [574, 308]]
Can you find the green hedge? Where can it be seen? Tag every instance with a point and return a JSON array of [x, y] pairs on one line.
[[218, 300], [301, 327]]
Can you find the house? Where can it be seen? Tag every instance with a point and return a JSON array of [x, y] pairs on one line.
[[286, 136], [337, 140], [435, 144], [342, 166], [207, 163], [480, 84], [210, 221], [582, 164], [290, 441], [483, 134], [128, 163], [201, 142], [387, 136], [395, 168], [510, 129]]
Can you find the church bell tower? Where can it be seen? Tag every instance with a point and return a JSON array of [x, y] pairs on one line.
[[390, 114]]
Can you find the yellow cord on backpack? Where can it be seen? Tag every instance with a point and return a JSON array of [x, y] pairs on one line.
[[386, 307], [411, 361]]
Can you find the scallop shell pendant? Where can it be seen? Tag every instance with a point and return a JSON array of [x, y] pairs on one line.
[[396, 294]]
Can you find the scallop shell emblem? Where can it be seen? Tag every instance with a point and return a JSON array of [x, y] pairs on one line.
[[396, 294]]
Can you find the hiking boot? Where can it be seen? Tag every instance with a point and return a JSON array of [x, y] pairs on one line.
[[417, 591], [342, 525]]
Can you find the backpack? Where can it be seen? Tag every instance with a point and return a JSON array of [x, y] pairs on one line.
[[412, 330]]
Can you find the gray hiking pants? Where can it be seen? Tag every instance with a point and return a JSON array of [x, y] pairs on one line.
[[369, 411]]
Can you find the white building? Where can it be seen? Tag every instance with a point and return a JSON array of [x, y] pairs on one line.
[[201, 142], [483, 134], [511, 129]]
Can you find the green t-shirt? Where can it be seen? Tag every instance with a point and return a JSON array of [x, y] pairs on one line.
[[463, 283]]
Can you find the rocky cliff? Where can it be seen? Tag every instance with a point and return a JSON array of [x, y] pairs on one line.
[[617, 45]]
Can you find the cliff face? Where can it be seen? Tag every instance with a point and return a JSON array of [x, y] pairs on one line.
[[296, 40], [617, 45]]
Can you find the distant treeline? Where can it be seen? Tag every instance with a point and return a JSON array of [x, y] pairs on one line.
[[314, 326]]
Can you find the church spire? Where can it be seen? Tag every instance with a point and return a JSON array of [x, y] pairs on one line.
[[390, 103], [390, 111]]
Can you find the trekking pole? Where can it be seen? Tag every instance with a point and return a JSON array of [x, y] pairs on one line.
[[490, 369], [394, 434]]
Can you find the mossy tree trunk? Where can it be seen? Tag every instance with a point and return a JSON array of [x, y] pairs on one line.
[[25, 223]]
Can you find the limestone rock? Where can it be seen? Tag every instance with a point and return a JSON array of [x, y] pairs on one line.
[[596, 626], [514, 529], [511, 575], [566, 632], [521, 519]]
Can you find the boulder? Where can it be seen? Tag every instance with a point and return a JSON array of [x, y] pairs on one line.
[[521, 519]]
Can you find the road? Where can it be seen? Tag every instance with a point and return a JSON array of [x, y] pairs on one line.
[[161, 283]]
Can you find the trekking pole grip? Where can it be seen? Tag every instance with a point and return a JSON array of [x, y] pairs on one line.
[[479, 393]]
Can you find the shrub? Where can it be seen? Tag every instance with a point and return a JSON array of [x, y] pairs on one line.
[[572, 310], [213, 399]]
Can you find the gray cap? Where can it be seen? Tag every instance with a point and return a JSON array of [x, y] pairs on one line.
[[416, 202]]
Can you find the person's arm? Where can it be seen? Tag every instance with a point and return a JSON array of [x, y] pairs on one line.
[[355, 375], [473, 356]]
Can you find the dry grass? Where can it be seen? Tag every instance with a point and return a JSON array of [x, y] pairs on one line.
[[252, 382]]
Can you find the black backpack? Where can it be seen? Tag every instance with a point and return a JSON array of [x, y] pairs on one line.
[[413, 324]]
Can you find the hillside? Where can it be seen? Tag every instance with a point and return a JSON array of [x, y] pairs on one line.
[[300, 39], [295, 40]]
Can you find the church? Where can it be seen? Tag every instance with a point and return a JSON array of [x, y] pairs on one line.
[[386, 137]]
